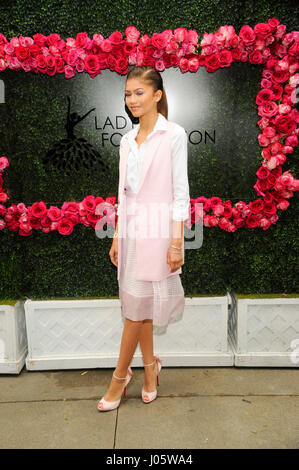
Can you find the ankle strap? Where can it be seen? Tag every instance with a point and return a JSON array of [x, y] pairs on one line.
[[150, 363], [120, 378]]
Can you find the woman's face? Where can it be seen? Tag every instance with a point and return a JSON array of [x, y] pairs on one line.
[[140, 98]]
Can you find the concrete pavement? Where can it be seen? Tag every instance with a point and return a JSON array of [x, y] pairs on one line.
[[196, 408]]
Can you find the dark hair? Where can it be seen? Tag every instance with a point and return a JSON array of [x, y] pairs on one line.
[[153, 78]]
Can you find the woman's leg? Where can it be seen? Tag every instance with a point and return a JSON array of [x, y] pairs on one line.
[[146, 341], [147, 348], [129, 342]]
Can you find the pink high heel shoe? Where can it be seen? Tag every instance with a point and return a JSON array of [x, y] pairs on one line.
[[147, 397], [111, 405]]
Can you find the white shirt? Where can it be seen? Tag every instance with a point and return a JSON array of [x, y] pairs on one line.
[[179, 155]]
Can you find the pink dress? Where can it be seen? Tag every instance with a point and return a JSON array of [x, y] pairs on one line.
[[162, 301]]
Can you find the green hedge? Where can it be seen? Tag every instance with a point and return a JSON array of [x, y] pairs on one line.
[[78, 266]]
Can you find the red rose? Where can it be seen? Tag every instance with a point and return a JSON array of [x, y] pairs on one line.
[[264, 96], [116, 38], [40, 40], [51, 65], [212, 63], [255, 57], [53, 39], [121, 66], [92, 65], [256, 206], [41, 63], [65, 226], [225, 58], [269, 209], [252, 221], [262, 30], [82, 40], [38, 209], [284, 124], [22, 53]]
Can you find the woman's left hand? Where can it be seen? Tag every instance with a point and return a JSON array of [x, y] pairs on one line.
[[174, 261]]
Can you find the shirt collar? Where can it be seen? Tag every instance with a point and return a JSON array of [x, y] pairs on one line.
[[161, 125]]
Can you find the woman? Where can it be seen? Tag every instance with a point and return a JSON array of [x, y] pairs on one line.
[[152, 170]]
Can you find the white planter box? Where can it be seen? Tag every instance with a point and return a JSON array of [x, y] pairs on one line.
[[13, 339], [265, 332], [71, 334]]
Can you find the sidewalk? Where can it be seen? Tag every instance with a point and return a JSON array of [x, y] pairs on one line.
[[196, 408]]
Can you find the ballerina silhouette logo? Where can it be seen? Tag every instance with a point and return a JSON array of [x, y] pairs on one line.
[[74, 153]]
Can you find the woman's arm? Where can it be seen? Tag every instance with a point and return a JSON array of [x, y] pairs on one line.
[[180, 185], [178, 233]]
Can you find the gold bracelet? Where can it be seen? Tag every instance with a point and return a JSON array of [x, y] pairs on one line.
[[115, 235], [177, 248], [172, 251]]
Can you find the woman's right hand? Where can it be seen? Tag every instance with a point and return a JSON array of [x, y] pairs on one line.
[[113, 253]]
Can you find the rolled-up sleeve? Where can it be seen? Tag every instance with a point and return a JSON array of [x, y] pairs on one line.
[[181, 195]]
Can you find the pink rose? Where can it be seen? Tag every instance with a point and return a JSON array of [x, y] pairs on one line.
[[132, 34], [193, 64], [269, 132], [4, 163], [284, 108], [106, 45], [268, 109], [72, 57], [247, 35], [291, 140], [193, 36], [69, 71], [180, 34], [218, 210], [224, 223], [210, 221], [286, 179], [158, 41], [283, 205], [159, 65], [263, 140], [265, 223], [3, 196]]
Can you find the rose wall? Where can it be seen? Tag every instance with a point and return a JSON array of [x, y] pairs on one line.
[[58, 263]]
